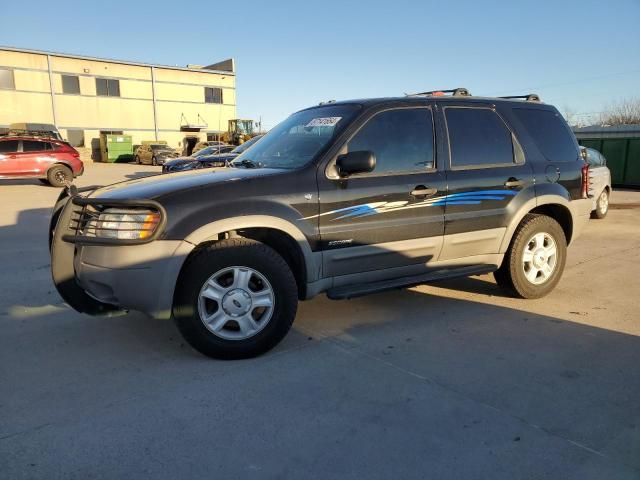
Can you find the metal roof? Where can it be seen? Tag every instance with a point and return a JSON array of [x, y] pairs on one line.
[[121, 62]]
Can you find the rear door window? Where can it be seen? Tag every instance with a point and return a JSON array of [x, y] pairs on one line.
[[34, 146], [478, 138], [550, 133]]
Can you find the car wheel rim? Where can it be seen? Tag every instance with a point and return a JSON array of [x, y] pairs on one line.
[[60, 177], [603, 202], [236, 303], [539, 258]]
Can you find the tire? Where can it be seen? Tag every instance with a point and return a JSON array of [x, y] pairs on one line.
[[154, 161], [602, 205], [537, 237], [59, 175], [137, 159], [211, 269]]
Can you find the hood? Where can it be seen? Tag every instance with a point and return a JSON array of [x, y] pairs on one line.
[[158, 185], [166, 153]]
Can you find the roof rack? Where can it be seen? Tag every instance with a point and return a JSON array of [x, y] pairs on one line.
[[455, 92], [530, 97], [9, 132]]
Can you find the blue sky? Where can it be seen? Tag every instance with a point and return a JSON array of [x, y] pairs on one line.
[[580, 55]]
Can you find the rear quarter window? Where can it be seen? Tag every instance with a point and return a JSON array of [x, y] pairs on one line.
[[550, 133]]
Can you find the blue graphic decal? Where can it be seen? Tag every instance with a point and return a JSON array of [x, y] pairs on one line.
[[464, 198]]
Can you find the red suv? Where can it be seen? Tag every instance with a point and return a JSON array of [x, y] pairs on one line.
[[52, 161]]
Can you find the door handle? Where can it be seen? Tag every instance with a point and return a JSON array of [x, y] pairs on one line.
[[422, 191], [514, 182]]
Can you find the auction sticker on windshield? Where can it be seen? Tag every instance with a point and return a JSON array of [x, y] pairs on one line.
[[324, 122]]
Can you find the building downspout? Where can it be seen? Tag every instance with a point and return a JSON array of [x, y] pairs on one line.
[[53, 94], [153, 96]]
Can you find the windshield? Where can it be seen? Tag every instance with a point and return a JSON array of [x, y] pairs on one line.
[[297, 140], [206, 151], [161, 147]]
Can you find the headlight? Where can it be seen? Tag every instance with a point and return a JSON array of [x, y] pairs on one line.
[[125, 224]]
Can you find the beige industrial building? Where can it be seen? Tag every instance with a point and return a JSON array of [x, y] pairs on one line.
[[85, 97]]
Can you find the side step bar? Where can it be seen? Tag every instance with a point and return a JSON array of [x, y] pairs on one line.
[[352, 291]]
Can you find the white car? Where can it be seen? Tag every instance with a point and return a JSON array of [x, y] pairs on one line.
[[599, 182]]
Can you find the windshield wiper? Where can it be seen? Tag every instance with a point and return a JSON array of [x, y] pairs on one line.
[[246, 163]]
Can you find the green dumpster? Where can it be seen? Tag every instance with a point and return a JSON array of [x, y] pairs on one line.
[[116, 148]]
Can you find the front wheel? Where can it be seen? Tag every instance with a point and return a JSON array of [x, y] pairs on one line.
[[602, 205], [536, 257], [236, 298]]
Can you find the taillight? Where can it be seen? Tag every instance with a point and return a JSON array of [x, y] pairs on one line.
[[585, 180]]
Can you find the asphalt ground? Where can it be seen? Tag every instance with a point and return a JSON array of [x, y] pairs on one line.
[[449, 380]]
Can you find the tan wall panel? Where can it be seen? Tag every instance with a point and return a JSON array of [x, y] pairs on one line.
[[215, 115], [32, 81], [24, 107], [103, 112], [23, 60], [196, 78], [87, 85], [99, 69], [133, 89]]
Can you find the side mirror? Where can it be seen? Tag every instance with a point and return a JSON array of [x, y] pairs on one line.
[[363, 161]]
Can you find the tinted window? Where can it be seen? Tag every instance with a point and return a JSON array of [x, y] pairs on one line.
[[594, 158], [212, 95], [9, 146], [6, 79], [477, 137], [402, 140], [550, 134], [70, 84], [35, 146]]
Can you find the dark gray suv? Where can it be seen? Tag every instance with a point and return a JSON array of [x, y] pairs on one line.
[[346, 198]]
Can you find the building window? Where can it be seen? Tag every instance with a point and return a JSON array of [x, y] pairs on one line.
[[76, 138], [107, 87], [70, 84], [212, 95], [6, 79]]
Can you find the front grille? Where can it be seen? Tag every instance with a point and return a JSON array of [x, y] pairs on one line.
[[81, 220]]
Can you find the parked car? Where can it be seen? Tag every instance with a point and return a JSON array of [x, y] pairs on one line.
[[154, 154], [52, 161], [198, 161], [208, 143], [212, 150], [346, 198], [599, 182]]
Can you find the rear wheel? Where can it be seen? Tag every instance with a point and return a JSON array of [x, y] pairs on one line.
[[154, 161], [602, 205], [137, 159], [59, 176], [236, 298], [535, 260]]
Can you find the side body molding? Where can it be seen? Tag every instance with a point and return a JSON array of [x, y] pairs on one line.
[[209, 232]]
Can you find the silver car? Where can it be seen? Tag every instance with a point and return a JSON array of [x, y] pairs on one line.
[[599, 182]]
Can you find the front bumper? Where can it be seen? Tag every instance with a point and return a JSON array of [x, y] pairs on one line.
[[104, 279]]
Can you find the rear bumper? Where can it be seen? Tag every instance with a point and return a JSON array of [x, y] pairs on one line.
[[580, 212]]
